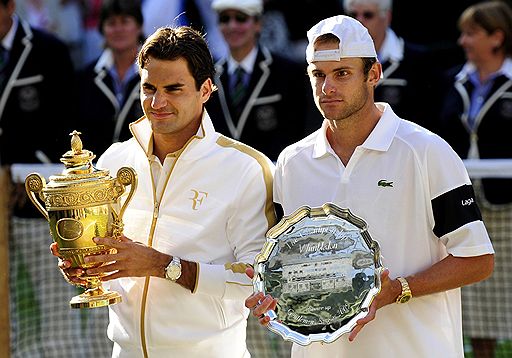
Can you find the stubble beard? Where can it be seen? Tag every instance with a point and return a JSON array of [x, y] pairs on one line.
[[349, 110]]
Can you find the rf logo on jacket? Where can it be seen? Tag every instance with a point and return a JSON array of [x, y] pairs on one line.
[[197, 199]]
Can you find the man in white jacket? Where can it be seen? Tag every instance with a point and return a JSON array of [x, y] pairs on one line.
[[197, 219]]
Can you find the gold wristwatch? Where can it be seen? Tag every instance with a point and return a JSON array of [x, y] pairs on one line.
[[406, 293]]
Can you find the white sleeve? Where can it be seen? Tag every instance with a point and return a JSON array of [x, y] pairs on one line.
[[457, 218], [246, 230]]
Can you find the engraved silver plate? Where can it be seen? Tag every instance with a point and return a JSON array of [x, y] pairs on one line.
[[324, 269]]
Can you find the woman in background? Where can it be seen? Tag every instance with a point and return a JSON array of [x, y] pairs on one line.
[[108, 87], [476, 120]]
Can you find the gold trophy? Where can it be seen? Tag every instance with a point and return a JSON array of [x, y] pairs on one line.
[[79, 205]]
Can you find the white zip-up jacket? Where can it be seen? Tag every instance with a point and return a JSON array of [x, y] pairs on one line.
[[215, 210]]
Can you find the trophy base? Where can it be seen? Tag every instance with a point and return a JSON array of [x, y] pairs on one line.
[[95, 297]]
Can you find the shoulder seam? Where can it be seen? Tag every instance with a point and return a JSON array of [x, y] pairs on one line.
[[260, 158]]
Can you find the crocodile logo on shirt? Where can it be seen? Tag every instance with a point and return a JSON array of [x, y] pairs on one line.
[[384, 183]]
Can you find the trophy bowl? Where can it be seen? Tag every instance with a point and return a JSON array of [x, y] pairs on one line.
[[79, 204], [324, 269]]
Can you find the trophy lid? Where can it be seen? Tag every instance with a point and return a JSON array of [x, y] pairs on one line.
[[78, 164]]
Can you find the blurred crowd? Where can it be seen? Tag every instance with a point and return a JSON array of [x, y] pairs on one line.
[[102, 38]]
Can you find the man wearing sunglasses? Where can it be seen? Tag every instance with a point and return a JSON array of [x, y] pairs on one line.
[[262, 98], [402, 86]]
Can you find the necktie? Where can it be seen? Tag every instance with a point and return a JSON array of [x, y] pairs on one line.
[[238, 92], [3, 65]]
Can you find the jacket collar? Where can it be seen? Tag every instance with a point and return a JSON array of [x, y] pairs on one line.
[[468, 68], [105, 61], [247, 63], [195, 148], [392, 48], [380, 138], [8, 39]]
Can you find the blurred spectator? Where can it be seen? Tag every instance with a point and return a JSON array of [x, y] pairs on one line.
[[216, 42], [62, 18], [276, 37], [108, 88], [70, 28], [93, 41], [285, 23], [262, 98], [403, 86], [38, 14], [160, 13], [476, 120], [441, 39], [195, 13], [36, 79]]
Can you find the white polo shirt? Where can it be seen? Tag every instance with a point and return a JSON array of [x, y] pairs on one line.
[[416, 196]]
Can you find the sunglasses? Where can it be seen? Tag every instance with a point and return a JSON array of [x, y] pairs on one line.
[[239, 18], [367, 15]]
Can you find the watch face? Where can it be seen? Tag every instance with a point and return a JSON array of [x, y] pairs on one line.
[[173, 272]]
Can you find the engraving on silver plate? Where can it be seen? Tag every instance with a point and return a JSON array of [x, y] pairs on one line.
[[324, 269]]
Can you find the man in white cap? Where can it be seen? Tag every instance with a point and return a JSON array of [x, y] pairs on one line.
[[424, 217], [262, 97]]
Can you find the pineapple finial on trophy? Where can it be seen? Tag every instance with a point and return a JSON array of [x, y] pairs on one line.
[[76, 142], [77, 160]]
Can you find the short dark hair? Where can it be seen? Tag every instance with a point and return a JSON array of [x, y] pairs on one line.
[[367, 65], [172, 43], [121, 7]]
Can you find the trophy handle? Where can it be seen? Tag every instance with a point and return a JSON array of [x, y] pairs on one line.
[[127, 176], [35, 183]]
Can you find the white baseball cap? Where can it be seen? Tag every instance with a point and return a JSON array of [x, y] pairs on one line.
[[249, 7], [355, 41]]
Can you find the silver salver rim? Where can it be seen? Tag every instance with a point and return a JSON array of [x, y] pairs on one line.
[[272, 237]]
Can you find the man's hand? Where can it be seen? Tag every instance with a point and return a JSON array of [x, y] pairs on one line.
[[129, 259], [71, 275], [387, 295], [258, 303]]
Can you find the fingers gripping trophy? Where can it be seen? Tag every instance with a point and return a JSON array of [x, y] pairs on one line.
[[81, 204]]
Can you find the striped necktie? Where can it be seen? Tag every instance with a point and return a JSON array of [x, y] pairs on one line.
[[238, 91], [3, 65]]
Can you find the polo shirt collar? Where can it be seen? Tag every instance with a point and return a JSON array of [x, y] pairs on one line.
[[196, 146], [380, 138], [322, 146]]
